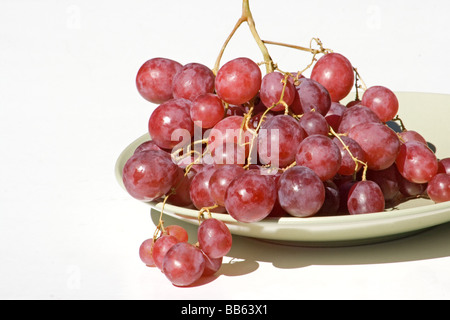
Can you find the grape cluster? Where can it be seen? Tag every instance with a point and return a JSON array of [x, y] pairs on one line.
[[258, 146]]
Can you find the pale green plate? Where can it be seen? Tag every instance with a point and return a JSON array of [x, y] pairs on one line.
[[424, 112]]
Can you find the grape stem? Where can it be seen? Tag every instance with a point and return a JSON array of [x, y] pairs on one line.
[[246, 17]]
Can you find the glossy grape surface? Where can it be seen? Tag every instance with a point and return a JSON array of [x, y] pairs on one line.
[[365, 197], [192, 80], [214, 238]]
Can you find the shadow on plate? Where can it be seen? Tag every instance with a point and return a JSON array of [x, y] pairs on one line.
[[245, 253]]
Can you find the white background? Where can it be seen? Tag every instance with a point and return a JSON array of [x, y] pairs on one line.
[[69, 106]]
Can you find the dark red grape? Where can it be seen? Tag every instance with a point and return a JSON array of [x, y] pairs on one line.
[[272, 88], [311, 96], [416, 162], [382, 101]]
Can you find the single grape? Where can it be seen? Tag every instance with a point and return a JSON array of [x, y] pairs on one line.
[[380, 144], [277, 139], [170, 124], [154, 79], [200, 189], [250, 197], [178, 232], [148, 175], [355, 115], [207, 110], [211, 265], [147, 145], [183, 264], [272, 87], [365, 197], [145, 252], [416, 162], [348, 164], [409, 189], [334, 115], [228, 130], [331, 203], [160, 248], [214, 238], [444, 166], [221, 179], [387, 181], [320, 154], [192, 80], [335, 73], [181, 188], [238, 81], [301, 193], [411, 135], [311, 95], [382, 101], [439, 188], [314, 123]]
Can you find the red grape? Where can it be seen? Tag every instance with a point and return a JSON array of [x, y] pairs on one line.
[[148, 175], [444, 166], [320, 154], [380, 144], [214, 238], [331, 203], [382, 101], [356, 115], [411, 135], [439, 188], [154, 79], [348, 165], [365, 197], [178, 232], [229, 153], [228, 130], [200, 189], [211, 265], [238, 81], [314, 123], [181, 187], [276, 139], [183, 264], [271, 89], [221, 179], [311, 95], [416, 162], [301, 193], [207, 110], [145, 252], [250, 197], [387, 181], [334, 115], [192, 80], [160, 248], [335, 73], [147, 145], [169, 117]]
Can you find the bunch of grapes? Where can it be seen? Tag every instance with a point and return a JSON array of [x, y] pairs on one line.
[[232, 140]]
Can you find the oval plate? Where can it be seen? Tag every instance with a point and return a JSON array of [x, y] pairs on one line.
[[419, 112]]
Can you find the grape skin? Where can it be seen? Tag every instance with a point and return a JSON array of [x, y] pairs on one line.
[[416, 162], [148, 175], [382, 101], [250, 197], [311, 95], [314, 123], [279, 134], [365, 197], [335, 73], [272, 88], [301, 193], [238, 81], [160, 248], [145, 252], [348, 165], [221, 179], [214, 238], [380, 144], [438, 188], [200, 189], [183, 264], [154, 79], [320, 154], [356, 115], [207, 110], [192, 80], [166, 119]]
